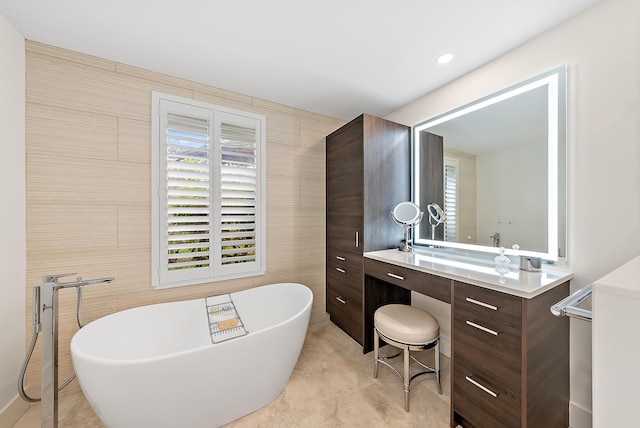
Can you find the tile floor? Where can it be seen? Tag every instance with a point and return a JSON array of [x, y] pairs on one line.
[[331, 386]]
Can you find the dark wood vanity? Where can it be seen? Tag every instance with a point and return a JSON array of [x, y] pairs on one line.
[[509, 354]]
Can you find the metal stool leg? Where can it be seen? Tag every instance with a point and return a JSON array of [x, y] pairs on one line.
[[437, 364], [405, 349], [406, 379], [376, 352]]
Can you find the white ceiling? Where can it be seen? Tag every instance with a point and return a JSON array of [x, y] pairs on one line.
[[335, 57]]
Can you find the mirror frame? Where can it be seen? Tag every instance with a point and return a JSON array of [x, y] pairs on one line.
[[556, 82]]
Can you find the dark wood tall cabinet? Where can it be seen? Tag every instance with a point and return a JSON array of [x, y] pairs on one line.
[[368, 173]]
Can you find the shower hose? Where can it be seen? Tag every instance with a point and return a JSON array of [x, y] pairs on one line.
[[34, 339]]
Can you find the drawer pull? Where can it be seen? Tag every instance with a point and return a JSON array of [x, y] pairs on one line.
[[341, 300], [485, 329], [483, 304], [482, 387], [341, 270], [357, 239], [393, 275], [340, 258]]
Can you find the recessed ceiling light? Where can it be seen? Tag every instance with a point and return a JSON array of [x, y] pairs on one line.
[[445, 58]]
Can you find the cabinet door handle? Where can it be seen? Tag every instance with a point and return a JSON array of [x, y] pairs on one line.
[[393, 275], [483, 304], [482, 387], [483, 328], [341, 300], [340, 258], [357, 239], [341, 270]]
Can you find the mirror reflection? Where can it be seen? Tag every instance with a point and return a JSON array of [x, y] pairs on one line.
[[437, 216], [496, 166]]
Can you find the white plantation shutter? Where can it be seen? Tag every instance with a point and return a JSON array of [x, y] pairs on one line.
[[208, 179], [238, 143], [187, 194], [451, 200]]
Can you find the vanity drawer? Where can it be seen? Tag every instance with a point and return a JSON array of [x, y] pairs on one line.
[[422, 282], [345, 310], [483, 401], [494, 346], [338, 257], [344, 273], [346, 283], [493, 304]]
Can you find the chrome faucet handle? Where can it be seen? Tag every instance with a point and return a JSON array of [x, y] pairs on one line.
[[54, 278]]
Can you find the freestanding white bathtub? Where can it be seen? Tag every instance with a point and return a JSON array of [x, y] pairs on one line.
[[156, 366]]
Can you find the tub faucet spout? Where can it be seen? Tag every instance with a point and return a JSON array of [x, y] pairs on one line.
[[53, 280]]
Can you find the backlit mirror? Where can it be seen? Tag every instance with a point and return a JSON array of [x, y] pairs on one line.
[[497, 168]]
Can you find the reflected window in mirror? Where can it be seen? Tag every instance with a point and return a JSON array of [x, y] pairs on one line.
[[497, 166], [451, 199]]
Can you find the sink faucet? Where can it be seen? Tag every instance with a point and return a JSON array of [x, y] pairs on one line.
[[496, 239]]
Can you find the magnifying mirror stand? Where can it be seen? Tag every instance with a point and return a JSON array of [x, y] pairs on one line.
[[405, 247], [406, 215], [436, 218]]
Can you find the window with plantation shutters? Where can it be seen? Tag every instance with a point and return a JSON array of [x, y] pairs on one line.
[[208, 192]]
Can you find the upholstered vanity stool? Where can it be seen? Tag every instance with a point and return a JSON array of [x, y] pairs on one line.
[[410, 329]]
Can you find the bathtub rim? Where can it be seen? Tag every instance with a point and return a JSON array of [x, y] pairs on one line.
[[74, 350]]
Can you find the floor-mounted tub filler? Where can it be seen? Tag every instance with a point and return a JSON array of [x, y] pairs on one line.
[[190, 363], [45, 322]]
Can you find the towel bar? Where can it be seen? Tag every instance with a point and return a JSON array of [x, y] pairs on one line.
[[569, 305]]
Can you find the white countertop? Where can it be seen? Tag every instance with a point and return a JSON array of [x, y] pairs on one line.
[[476, 271], [623, 281]]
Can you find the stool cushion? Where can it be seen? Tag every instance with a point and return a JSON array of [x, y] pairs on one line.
[[406, 324]]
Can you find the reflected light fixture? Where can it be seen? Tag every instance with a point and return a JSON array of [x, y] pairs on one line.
[[445, 58]]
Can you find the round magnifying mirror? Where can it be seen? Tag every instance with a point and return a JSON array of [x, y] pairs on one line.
[[406, 213], [436, 214]]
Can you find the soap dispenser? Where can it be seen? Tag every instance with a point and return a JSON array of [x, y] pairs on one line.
[[530, 264], [501, 259], [502, 265], [527, 263]]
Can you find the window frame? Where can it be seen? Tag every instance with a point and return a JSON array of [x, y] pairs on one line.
[[215, 271]]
